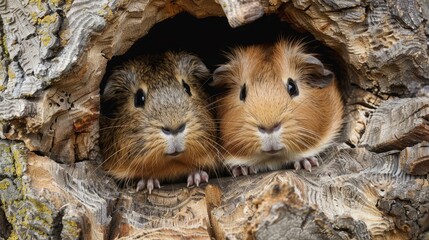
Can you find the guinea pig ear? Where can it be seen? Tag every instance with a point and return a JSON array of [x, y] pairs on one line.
[[217, 77], [321, 76]]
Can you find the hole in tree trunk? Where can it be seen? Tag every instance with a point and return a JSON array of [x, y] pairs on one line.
[[210, 38]]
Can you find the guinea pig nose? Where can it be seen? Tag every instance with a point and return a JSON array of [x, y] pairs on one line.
[[166, 131], [170, 131], [262, 129], [181, 128], [270, 129], [276, 127]]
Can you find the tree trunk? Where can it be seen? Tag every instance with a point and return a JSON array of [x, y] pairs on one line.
[[375, 185]]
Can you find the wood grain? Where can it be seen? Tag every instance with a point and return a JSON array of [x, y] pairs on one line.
[[398, 124]]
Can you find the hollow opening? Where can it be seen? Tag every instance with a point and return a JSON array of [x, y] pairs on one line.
[[210, 38]]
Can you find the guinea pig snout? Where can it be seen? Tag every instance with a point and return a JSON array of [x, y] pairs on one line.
[[174, 131], [175, 139], [270, 138]]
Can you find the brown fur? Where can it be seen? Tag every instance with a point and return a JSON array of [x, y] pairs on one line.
[[131, 138], [309, 121]]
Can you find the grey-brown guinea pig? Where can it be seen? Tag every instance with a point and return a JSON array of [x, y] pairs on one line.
[[280, 105], [155, 124]]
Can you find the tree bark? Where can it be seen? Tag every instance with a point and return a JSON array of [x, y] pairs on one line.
[[374, 185]]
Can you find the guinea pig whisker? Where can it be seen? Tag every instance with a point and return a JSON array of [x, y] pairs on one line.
[[115, 119], [114, 153], [231, 108], [311, 137], [292, 110], [230, 122], [307, 132], [215, 102], [134, 159], [238, 134], [236, 140], [291, 143], [216, 145], [209, 140], [304, 139], [114, 126], [301, 142], [243, 144]]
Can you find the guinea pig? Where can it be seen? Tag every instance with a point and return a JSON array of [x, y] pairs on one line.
[[279, 105], [155, 124]]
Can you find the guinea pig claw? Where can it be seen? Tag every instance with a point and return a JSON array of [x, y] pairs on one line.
[[140, 185], [313, 161], [150, 184], [204, 176], [306, 163], [253, 170], [197, 177], [157, 183], [236, 171], [297, 165], [243, 170]]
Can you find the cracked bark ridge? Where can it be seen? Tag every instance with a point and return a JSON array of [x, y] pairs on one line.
[[415, 159], [336, 201], [410, 209], [240, 12], [24, 211], [360, 105], [281, 214], [371, 37], [397, 124], [406, 12]]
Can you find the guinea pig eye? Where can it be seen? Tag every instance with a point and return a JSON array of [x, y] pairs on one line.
[[187, 88], [243, 92], [292, 88], [139, 98]]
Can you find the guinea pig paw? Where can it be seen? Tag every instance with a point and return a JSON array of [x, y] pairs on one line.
[[197, 177], [306, 163], [243, 170], [149, 184]]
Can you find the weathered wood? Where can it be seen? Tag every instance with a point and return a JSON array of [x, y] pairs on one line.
[[415, 159], [53, 55], [360, 105], [370, 39], [345, 198], [409, 207], [398, 124], [240, 12]]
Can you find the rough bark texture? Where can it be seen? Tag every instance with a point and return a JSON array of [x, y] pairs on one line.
[[53, 55]]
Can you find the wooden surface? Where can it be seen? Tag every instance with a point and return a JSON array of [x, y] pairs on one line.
[[347, 197], [373, 185]]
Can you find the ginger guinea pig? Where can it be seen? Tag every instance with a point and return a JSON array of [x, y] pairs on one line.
[[155, 124], [280, 106]]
